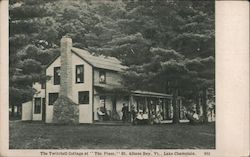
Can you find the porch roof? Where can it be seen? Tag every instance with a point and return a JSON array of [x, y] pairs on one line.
[[110, 88], [150, 94]]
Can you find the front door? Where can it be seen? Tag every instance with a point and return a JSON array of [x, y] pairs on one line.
[[43, 109]]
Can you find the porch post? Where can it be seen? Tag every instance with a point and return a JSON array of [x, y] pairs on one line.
[[164, 108], [159, 104], [147, 106], [181, 111], [169, 111], [131, 102]]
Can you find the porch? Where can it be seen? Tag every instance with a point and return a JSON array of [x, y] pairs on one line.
[[111, 101]]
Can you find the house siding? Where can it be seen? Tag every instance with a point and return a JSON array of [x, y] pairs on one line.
[[27, 111], [85, 110], [51, 88]]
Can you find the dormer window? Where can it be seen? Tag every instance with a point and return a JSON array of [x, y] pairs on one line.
[[56, 75], [102, 77], [79, 73]]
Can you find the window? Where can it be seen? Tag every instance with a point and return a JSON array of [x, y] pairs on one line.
[[56, 75], [83, 97], [102, 77], [79, 73], [52, 98], [37, 108]]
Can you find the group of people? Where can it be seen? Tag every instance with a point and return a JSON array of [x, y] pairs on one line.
[[103, 114], [141, 116], [136, 117]]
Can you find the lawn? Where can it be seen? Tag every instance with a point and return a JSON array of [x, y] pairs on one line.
[[33, 135]]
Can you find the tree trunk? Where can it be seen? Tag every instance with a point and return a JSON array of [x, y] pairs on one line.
[[204, 105], [198, 104], [176, 109], [113, 115], [196, 101]]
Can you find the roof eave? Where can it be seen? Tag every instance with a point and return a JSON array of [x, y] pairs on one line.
[[81, 57], [47, 66]]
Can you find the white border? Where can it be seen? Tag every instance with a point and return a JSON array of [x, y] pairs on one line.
[[232, 77], [4, 76]]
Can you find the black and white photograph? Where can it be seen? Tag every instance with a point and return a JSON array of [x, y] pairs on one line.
[[124, 78], [113, 74]]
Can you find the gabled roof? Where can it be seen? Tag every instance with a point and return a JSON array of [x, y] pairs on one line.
[[103, 62]]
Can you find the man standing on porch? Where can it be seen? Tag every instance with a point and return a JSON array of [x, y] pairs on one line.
[[125, 113], [133, 112]]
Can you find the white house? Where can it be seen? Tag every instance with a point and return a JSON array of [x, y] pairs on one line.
[[91, 82]]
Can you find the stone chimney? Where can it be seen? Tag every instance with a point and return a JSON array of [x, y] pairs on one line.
[[65, 111], [66, 68]]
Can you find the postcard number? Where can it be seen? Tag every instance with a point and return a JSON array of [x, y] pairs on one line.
[[207, 153]]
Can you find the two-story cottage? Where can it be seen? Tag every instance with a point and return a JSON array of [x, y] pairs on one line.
[[90, 82]]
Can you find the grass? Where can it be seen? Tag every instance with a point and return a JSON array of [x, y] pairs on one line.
[[33, 135]]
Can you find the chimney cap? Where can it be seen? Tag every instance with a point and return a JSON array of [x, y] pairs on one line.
[[66, 38]]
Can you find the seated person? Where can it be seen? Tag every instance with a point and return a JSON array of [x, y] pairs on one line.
[[102, 113], [139, 115], [157, 118], [196, 116], [193, 117], [145, 115], [141, 118], [103, 109]]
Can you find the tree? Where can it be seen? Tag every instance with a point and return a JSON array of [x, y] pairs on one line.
[[184, 47], [29, 21]]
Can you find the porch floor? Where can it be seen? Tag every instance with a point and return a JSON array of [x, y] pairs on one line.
[[112, 123]]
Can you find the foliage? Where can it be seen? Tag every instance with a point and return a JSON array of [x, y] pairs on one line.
[[168, 45]]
